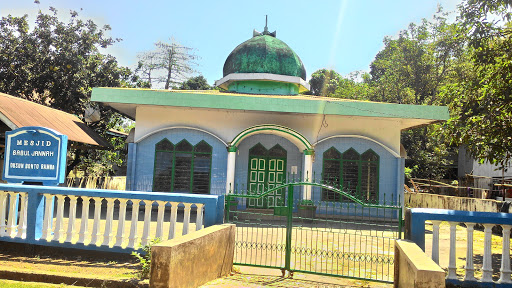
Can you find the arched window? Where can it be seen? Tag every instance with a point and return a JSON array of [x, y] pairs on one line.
[[370, 175], [350, 163], [163, 166], [182, 168], [183, 156], [258, 150], [277, 152], [355, 174], [331, 173], [202, 168]]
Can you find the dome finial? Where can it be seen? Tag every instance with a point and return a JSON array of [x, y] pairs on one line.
[[265, 30]]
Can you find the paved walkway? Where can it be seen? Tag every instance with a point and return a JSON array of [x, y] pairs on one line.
[[261, 277]]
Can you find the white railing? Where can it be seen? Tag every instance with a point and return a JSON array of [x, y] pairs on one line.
[[117, 220], [470, 219], [13, 223]]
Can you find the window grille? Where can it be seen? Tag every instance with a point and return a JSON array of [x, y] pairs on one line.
[[182, 167], [355, 174]]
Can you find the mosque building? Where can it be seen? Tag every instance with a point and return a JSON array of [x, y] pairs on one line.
[[259, 129]]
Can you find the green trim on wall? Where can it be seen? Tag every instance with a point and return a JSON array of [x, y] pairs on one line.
[[287, 104], [232, 148], [269, 127], [309, 152]]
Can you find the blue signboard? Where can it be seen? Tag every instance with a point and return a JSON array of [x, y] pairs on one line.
[[35, 154]]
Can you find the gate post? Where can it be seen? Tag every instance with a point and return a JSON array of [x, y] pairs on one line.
[[289, 219], [226, 208]]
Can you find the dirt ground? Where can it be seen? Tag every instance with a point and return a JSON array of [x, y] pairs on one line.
[[68, 267], [263, 277]]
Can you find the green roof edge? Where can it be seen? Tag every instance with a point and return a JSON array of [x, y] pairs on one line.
[[288, 104]]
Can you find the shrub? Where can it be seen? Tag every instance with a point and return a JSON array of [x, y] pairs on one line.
[[145, 259], [306, 202]]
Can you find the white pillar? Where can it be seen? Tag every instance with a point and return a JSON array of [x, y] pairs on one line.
[[199, 216], [487, 265], [505, 271], [132, 239], [435, 240], [230, 174], [160, 219], [120, 224], [307, 173], [96, 222], [59, 221], [84, 220], [148, 205], [452, 266], [22, 224], [172, 223], [48, 217], [71, 218], [3, 203], [470, 268], [186, 218], [13, 210], [107, 234]]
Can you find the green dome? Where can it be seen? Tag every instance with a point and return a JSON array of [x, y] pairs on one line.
[[264, 54]]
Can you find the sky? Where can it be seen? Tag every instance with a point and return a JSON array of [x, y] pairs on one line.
[[343, 35]]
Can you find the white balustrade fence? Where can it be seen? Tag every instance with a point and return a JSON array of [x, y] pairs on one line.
[[13, 214], [118, 221], [470, 219], [487, 269]]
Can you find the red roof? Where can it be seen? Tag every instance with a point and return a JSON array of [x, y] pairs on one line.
[[16, 112]]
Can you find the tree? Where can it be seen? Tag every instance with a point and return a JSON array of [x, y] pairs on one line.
[[355, 86], [195, 83], [482, 106], [411, 69], [324, 82], [56, 64], [170, 63]]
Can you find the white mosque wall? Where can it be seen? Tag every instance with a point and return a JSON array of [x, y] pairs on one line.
[[226, 124]]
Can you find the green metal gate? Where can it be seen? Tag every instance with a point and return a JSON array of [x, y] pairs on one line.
[[346, 238]]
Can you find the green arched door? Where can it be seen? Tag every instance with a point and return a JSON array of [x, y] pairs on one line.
[[267, 169]]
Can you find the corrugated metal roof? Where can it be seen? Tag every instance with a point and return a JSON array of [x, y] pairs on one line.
[[19, 112]]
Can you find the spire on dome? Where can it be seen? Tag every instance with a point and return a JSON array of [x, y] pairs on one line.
[[265, 30]]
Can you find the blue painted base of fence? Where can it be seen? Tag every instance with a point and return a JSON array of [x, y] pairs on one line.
[[475, 284], [79, 246]]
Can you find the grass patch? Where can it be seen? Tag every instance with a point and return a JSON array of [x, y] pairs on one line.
[[19, 284]]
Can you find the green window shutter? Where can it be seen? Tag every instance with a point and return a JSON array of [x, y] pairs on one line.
[[162, 176], [182, 172], [357, 174], [331, 173], [350, 163], [182, 167], [370, 176]]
